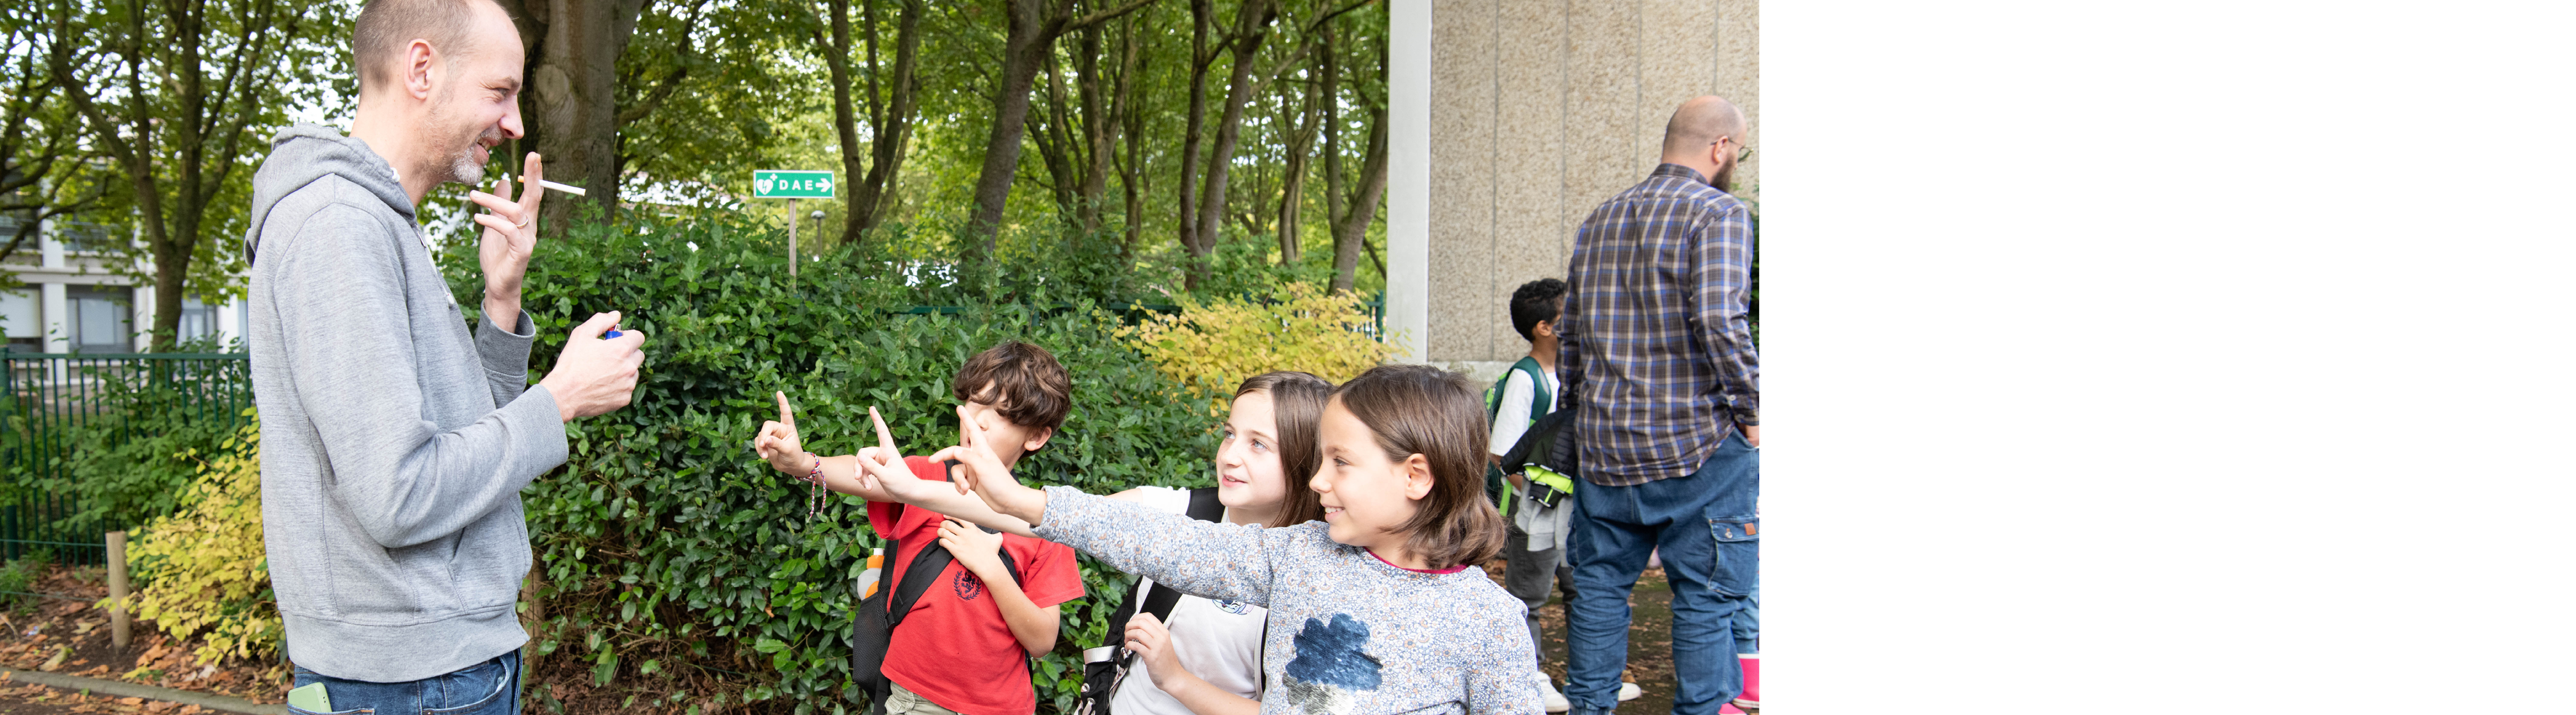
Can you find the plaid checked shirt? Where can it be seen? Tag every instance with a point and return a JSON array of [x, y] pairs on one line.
[[1654, 347]]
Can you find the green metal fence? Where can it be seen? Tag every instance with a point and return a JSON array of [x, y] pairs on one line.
[[56, 401]]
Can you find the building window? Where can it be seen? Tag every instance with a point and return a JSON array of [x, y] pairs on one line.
[[196, 320], [100, 320]]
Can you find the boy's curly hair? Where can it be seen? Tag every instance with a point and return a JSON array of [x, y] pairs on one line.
[[1533, 303], [1021, 381]]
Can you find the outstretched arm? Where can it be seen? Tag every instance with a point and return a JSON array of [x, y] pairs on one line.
[[1206, 559], [779, 443]]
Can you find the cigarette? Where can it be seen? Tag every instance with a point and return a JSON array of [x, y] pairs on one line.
[[574, 190]]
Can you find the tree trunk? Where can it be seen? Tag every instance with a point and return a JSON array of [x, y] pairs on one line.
[[1131, 173], [1202, 16], [1292, 180], [1099, 125], [891, 128], [1252, 24], [1023, 51], [1055, 141], [1331, 38], [571, 108], [836, 56], [1034, 25], [1350, 234]]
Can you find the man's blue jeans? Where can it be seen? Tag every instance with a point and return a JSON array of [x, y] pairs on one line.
[[1706, 527], [487, 688]]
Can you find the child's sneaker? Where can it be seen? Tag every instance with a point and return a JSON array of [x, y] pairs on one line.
[[1556, 702], [1629, 691]]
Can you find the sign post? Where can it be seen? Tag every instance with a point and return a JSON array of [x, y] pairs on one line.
[[791, 184]]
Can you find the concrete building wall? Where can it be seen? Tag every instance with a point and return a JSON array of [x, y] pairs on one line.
[[1541, 109]]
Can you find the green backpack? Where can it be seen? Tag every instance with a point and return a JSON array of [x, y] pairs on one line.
[[1540, 401]]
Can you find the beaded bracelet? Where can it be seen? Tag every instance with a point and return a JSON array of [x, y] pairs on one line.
[[814, 498]]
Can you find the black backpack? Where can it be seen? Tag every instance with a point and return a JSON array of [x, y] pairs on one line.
[[1549, 443], [1100, 677], [873, 626]]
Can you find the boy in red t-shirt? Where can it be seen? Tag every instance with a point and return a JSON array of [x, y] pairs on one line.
[[963, 648]]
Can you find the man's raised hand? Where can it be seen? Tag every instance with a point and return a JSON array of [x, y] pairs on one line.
[[985, 476], [509, 239]]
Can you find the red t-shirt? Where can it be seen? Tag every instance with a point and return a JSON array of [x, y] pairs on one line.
[[953, 647]]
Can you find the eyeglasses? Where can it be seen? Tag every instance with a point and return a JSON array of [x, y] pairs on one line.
[[1743, 151]]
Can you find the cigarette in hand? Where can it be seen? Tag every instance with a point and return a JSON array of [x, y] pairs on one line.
[[574, 190]]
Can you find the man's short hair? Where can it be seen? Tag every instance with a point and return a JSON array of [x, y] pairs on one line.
[[1533, 303], [1021, 381], [386, 26]]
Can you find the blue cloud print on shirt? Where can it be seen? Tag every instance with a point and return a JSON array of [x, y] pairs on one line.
[[1331, 654]]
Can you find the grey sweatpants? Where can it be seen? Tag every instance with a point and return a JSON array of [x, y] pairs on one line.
[[1526, 575]]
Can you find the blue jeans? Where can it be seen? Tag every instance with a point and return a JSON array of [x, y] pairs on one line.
[[487, 688], [1706, 527]]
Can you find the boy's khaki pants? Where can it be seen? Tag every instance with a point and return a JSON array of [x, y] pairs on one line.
[[905, 702]]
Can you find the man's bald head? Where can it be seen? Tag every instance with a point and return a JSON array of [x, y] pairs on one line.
[[385, 27], [1699, 123]]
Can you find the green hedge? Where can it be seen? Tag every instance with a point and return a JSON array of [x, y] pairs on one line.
[[670, 556]]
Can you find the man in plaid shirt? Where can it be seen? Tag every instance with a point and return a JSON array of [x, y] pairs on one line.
[[1656, 356]]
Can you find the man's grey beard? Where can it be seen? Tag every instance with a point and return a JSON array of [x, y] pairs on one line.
[[460, 165]]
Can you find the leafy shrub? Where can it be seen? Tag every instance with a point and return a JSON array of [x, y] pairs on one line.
[[1213, 344], [207, 564], [670, 555], [19, 577], [132, 460]]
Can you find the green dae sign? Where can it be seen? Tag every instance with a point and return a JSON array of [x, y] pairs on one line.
[[791, 184]]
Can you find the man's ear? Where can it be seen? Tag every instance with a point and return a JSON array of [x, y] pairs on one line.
[[419, 68], [1038, 440], [1417, 476]]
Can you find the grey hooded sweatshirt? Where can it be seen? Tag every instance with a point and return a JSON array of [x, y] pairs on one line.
[[393, 443]]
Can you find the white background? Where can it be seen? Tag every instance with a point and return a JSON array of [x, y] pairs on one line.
[[2168, 357]]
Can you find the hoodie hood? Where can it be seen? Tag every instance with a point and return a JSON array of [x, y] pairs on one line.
[[303, 154]]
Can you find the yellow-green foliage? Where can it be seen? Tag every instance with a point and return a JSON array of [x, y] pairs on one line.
[[209, 565], [1213, 345]]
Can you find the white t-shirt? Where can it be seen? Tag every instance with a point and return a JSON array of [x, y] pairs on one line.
[[1513, 417], [1219, 641]]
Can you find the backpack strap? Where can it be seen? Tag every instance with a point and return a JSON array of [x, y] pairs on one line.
[[1203, 507], [1540, 398], [1161, 599], [925, 568]]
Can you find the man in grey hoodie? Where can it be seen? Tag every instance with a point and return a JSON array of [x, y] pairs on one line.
[[395, 443]]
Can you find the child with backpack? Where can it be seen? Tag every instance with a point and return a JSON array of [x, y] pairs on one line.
[[960, 632], [1539, 500], [1201, 656], [1377, 609]]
